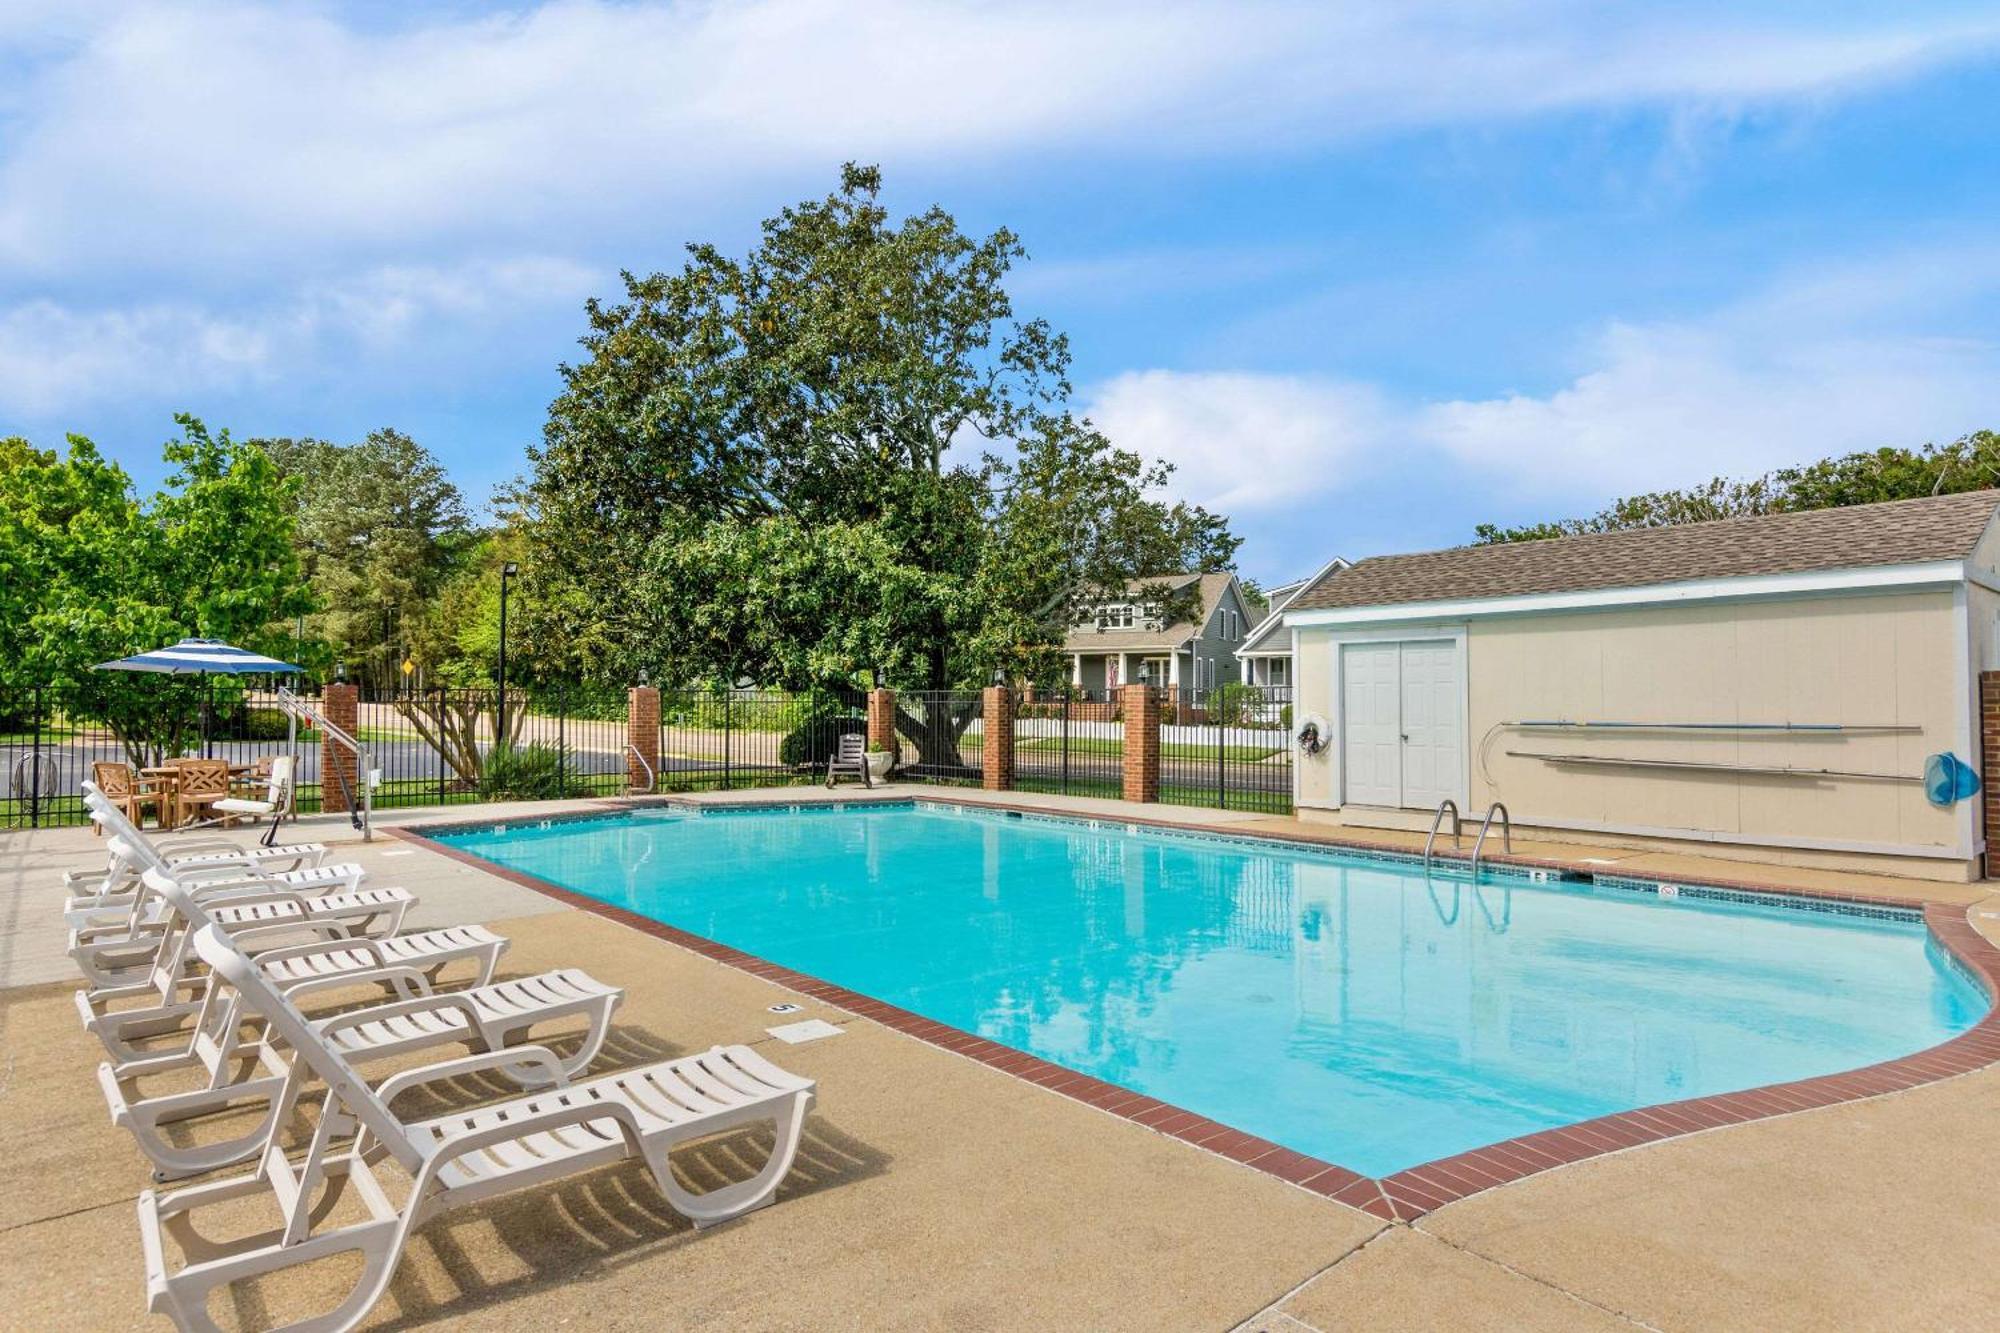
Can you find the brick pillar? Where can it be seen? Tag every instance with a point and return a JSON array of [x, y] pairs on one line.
[[1141, 706], [1989, 767], [882, 719], [642, 733], [996, 759], [338, 779]]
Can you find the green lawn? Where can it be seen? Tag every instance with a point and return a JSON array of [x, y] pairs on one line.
[[1091, 745]]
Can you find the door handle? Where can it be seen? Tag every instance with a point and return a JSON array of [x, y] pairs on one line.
[[1406, 735]]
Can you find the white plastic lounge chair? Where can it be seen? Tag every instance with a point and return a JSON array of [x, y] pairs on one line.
[[106, 951], [139, 1001], [119, 884], [277, 802], [193, 849], [453, 1160], [241, 1068]]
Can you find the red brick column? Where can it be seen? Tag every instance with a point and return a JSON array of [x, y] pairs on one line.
[[1989, 767], [1141, 706], [642, 733], [882, 719], [339, 777], [996, 758]]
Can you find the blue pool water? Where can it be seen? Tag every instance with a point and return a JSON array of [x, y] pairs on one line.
[[1340, 1005]]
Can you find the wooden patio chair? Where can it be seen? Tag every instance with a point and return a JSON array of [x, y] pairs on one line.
[[129, 793], [202, 783], [850, 757]]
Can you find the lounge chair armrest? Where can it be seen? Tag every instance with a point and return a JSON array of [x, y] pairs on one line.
[[537, 1059], [374, 1013], [407, 981], [334, 931], [460, 1144]]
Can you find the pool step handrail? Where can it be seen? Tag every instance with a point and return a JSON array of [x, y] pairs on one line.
[[1446, 804], [652, 778], [1486, 826]]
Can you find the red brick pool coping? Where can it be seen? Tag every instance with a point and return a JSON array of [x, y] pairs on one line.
[[1404, 1195]]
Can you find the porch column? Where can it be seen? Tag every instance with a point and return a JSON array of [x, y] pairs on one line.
[[1124, 670], [1076, 670], [1174, 669]]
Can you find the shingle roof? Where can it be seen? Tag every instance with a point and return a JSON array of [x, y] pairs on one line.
[[1897, 532], [1090, 639]]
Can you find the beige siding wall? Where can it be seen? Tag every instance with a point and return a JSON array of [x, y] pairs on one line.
[[1859, 661], [1887, 659]]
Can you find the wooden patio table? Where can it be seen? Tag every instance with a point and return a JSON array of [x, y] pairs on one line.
[[167, 778]]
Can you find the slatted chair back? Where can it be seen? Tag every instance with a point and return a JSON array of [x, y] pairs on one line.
[[204, 777], [853, 748], [113, 779], [353, 1093]]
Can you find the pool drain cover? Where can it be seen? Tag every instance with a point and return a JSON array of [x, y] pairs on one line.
[[811, 1029]]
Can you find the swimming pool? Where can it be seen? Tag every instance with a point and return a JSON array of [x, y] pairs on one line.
[[1338, 1004]]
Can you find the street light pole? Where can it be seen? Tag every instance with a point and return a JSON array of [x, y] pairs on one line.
[[507, 571]]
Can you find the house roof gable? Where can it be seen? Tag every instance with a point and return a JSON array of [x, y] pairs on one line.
[[1897, 532]]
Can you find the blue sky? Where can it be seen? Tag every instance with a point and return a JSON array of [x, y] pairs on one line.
[[1368, 274]]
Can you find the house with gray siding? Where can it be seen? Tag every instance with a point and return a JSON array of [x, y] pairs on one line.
[[1124, 638]]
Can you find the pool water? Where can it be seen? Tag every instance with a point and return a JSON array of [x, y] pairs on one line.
[[1343, 1006]]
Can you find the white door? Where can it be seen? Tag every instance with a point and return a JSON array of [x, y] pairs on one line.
[[1401, 730], [1432, 755], [1370, 722]]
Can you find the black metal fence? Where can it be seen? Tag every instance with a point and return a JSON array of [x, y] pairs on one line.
[[1229, 747], [454, 746], [941, 736], [1226, 747], [1068, 743], [715, 740]]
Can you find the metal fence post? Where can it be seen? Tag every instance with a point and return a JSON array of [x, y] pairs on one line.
[[727, 780], [440, 748], [562, 749], [35, 777], [1221, 753], [1068, 698]]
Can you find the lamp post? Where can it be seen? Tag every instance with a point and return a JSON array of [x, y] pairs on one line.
[[507, 571]]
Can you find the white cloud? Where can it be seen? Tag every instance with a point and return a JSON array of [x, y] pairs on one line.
[[1239, 441], [1840, 360], [1851, 358], [57, 358], [172, 133]]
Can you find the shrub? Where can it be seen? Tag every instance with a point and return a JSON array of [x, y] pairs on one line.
[[533, 772], [1234, 705], [252, 724], [816, 732]]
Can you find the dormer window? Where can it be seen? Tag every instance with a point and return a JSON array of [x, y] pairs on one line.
[[1118, 615]]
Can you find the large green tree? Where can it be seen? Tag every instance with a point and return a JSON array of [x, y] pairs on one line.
[[840, 453], [1969, 463], [381, 529], [88, 573]]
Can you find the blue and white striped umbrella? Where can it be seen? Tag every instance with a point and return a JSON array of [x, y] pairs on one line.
[[201, 657]]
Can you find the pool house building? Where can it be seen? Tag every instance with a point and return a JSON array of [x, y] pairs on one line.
[[1781, 684]]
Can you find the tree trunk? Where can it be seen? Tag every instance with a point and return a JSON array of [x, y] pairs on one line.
[[451, 727], [937, 725]]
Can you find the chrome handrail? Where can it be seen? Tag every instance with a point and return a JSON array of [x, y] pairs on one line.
[[652, 778], [1446, 804], [1486, 824], [362, 810]]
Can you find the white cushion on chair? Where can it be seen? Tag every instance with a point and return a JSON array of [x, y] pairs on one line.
[[237, 806]]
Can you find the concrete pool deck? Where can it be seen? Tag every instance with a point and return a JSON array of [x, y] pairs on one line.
[[936, 1192]]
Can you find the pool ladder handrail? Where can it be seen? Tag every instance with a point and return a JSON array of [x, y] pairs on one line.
[[1486, 826], [1446, 804], [652, 778]]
